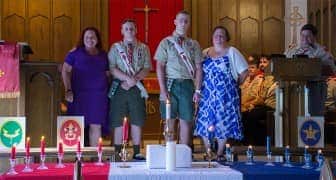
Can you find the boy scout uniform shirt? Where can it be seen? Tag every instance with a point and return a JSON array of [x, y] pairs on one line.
[[175, 67], [267, 91], [141, 57], [265, 95], [315, 51], [249, 91], [331, 94]]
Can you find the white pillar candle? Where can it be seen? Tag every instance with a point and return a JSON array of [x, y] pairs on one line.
[[306, 101], [170, 155], [168, 109]]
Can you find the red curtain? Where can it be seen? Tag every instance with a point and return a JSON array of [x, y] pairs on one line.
[[161, 22]]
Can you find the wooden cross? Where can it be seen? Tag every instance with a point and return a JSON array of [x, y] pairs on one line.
[[146, 10], [295, 20]]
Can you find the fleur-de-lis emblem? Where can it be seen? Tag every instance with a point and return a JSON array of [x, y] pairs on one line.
[[310, 133]]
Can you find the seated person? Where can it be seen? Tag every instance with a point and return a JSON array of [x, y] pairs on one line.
[[250, 87], [263, 62], [254, 118], [330, 103]]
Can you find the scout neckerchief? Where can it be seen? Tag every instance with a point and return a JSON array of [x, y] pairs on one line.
[[129, 68], [185, 58]]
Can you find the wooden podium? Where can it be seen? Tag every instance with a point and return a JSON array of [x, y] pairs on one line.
[[292, 75]]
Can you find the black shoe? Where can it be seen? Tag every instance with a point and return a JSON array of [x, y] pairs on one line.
[[139, 157], [221, 158]]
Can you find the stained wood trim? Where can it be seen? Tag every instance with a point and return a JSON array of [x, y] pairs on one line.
[[105, 21], [329, 25], [322, 23]]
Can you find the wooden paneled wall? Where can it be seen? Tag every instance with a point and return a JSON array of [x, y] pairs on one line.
[[322, 13], [51, 27], [255, 26]]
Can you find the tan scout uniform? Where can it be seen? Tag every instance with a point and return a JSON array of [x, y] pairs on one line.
[[249, 92], [266, 94], [331, 94], [179, 81], [128, 102], [141, 57], [175, 68]]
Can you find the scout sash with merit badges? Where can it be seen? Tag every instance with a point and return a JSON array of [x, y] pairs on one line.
[[130, 70], [185, 58]]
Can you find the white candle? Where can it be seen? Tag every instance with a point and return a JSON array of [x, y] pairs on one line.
[[306, 101], [168, 109], [170, 155], [306, 149]]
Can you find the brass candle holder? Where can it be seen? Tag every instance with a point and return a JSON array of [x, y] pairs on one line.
[[210, 156], [124, 154], [168, 133]]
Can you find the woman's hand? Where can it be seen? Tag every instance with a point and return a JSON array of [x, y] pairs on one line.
[[196, 97], [69, 96]]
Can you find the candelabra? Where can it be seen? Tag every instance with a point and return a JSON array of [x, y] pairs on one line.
[[168, 133], [210, 156], [27, 167], [228, 154], [249, 155], [288, 160], [42, 163], [307, 161], [60, 158], [320, 161], [100, 155], [269, 159], [11, 170], [123, 155]]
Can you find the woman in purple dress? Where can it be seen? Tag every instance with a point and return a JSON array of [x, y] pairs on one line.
[[84, 73]]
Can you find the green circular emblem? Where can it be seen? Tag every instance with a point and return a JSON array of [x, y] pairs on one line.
[[10, 133]]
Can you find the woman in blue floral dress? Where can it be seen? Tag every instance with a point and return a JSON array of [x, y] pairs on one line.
[[224, 68]]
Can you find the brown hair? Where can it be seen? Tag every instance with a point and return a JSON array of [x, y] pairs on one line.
[[228, 38], [309, 27], [184, 12], [128, 20], [99, 45], [254, 62]]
